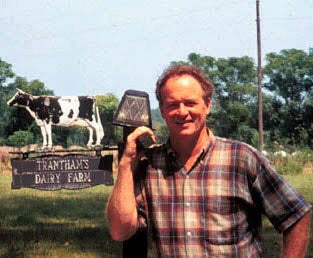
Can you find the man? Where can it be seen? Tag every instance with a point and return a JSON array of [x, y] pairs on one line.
[[201, 195]]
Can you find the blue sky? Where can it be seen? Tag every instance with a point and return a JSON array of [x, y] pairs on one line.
[[89, 47]]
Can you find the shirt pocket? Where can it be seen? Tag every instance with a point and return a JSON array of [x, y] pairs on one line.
[[222, 221]]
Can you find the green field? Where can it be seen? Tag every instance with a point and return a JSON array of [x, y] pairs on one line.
[[67, 223]]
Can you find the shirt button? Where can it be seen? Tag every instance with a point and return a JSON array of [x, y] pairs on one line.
[[189, 234], [188, 204]]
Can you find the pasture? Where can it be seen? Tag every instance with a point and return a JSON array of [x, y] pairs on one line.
[[71, 223], [63, 223]]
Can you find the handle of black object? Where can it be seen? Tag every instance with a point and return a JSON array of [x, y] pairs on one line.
[[137, 245], [143, 141]]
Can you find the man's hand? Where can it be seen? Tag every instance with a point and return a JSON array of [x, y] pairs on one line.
[[130, 151]]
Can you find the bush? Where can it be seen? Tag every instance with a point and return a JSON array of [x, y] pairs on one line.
[[2, 141], [20, 138]]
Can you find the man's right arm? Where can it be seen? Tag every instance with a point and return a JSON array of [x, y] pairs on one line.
[[121, 208]]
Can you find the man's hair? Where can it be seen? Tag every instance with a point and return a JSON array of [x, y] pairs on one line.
[[179, 70]]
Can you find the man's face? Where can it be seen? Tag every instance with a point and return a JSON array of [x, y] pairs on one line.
[[184, 108]]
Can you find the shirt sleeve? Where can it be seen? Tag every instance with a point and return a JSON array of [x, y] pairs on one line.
[[279, 201]]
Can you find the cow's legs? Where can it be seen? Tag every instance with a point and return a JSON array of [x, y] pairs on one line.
[[98, 127], [90, 140], [99, 135], [49, 134], [99, 131], [44, 136]]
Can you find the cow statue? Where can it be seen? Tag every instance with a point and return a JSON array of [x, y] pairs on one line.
[[61, 111]]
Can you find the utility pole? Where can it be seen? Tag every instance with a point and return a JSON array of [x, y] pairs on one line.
[[260, 104]]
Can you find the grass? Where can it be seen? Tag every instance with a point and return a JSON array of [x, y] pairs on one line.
[[72, 223], [54, 224]]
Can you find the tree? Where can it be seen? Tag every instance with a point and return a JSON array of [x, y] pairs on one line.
[[107, 105], [156, 117], [6, 74], [162, 133], [289, 75]]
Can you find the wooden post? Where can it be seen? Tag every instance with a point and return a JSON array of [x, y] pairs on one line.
[[260, 104], [137, 245]]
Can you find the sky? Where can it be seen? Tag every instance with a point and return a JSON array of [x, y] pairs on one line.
[[90, 47]]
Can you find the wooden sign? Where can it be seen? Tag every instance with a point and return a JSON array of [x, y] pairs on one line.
[[53, 172]]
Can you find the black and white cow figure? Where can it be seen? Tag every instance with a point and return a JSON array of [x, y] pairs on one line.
[[61, 111]]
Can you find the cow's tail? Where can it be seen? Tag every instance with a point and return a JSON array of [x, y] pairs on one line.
[[100, 127]]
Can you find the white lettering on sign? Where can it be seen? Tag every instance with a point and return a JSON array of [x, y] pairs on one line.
[[47, 179], [78, 177], [63, 164]]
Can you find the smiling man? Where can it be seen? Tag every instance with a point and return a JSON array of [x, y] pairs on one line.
[[200, 195]]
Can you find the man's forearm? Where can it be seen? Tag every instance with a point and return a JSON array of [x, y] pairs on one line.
[[121, 209], [296, 238]]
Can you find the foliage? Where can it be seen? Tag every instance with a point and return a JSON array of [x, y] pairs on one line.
[[20, 138], [162, 133], [2, 141], [289, 76], [158, 123], [107, 105], [156, 117], [5, 72]]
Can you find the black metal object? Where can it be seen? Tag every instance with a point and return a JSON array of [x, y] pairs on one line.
[[136, 246], [55, 172], [134, 111]]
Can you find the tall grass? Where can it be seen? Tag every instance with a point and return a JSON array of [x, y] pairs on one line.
[[293, 163], [72, 223]]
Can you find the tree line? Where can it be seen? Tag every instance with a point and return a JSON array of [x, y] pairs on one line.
[[287, 103]]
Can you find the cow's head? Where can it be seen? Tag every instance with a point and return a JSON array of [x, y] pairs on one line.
[[20, 98]]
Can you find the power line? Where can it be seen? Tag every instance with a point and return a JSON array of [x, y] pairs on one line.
[[287, 18]]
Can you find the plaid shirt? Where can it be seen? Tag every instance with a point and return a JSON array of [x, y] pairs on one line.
[[215, 208]]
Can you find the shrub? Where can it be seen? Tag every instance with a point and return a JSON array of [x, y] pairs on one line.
[[20, 138]]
